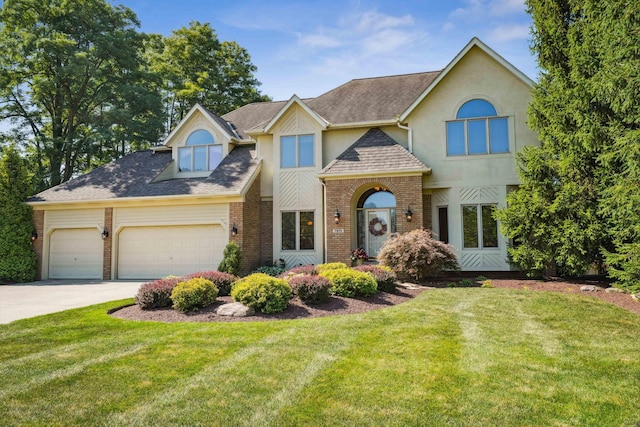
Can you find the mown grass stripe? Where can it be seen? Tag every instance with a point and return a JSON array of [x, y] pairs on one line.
[[146, 412], [297, 383], [68, 371]]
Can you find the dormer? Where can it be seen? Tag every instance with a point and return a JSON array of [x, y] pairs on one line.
[[199, 143]]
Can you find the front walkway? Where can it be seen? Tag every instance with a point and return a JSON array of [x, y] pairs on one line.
[[49, 296]]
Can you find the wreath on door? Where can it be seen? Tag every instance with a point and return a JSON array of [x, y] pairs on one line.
[[377, 227]]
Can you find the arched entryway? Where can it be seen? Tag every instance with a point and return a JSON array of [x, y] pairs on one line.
[[375, 219]]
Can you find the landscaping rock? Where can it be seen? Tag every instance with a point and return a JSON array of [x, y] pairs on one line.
[[614, 290], [636, 297], [589, 288], [235, 309]]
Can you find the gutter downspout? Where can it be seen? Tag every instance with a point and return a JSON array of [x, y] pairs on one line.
[[409, 136], [324, 219]]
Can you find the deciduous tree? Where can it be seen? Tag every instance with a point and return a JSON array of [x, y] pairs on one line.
[[74, 84]]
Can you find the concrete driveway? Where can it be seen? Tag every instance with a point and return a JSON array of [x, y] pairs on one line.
[[49, 296]]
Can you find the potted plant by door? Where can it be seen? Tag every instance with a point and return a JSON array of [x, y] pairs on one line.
[[358, 256]]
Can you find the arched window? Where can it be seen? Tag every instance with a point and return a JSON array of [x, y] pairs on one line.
[[200, 153], [477, 130]]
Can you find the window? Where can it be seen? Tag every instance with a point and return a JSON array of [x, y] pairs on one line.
[[477, 130], [296, 151], [479, 229], [199, 153], [298, 231], [443, 224]]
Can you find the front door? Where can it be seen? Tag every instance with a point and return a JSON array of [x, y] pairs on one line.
[[378, 229]]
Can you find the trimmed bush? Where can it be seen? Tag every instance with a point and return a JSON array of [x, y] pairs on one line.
[[384, 276], [307, 270], [222, 281], [331, 266], [231, 259], [156, 294], [262, 292], [310, 289], [193, 294], [270, 270], [418, 255], [346, 282]]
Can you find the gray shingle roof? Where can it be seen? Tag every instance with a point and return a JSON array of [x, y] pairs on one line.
[[375, 151], [360, 100], [372, 99], [132, 176]]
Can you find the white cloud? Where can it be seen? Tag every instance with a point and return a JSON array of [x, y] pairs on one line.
[[505, 7], [507, 33], [375, 21], [318, 40]]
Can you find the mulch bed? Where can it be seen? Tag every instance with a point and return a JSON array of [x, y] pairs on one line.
[[339, 306]]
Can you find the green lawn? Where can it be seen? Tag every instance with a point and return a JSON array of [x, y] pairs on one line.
[[475, 357]]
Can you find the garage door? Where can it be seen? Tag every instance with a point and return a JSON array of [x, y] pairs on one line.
[[75, 253], [154, 252]]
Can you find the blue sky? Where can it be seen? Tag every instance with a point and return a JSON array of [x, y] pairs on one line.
[[309, 47]]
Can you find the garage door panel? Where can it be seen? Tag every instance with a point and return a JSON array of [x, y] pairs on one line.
[[75, 253], [154, 252]]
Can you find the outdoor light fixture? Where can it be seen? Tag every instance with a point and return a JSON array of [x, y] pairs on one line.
[[105, 233], [336, 217], [234, 230], [34, 235], [408, 214]]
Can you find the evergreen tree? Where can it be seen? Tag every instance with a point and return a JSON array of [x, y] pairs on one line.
[[17, 259], [576, 200]]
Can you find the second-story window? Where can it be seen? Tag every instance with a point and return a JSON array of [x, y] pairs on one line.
[[200, 153], [296, 151], [477, 130]]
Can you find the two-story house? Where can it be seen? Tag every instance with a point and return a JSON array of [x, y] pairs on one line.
[[304, 180]]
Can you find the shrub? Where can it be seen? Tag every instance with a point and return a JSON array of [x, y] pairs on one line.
[[487, 284], [231, 259], [307, 270], [384, 276], [193, 294], [346, 282], [262, 292], [156, 294], [418, 255], [270, 270], [222, 281], [310, 289], [331, 266]]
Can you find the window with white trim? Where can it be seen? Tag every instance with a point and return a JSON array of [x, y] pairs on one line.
[[296, 151], [477, 130], [298, 230], [200, 153], [479, 228]]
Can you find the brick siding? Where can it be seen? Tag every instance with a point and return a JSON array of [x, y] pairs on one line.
[[246, 216], [343, 194]]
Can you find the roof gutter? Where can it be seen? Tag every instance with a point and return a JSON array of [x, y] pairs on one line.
[[409, 136]]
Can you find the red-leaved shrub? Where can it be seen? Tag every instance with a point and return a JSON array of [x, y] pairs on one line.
[[156, 294], [307, 270], [418, 255], [222, 281], [310, 289]]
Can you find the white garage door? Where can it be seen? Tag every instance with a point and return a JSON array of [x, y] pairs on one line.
[[154, 252], [75, 253]]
